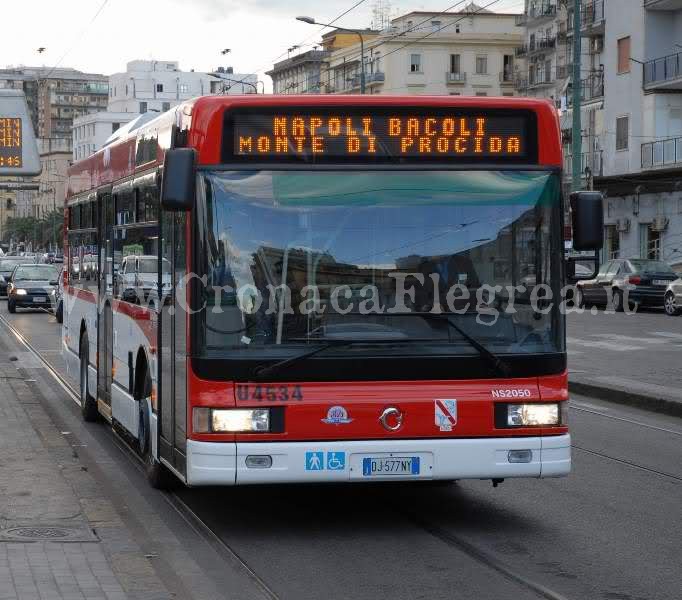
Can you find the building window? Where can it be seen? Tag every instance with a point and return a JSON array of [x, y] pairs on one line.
[[455, 60], [457, 28], [415, 63], [622, 132], [482, 64], [481, 93], [159, 87], [508, 94], [165, 106], [436, 25], [624, 55], [184, 88], [612, 242], [143, 107], [649, 242]]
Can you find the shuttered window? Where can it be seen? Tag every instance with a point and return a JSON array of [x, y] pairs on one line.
[[624, 55]]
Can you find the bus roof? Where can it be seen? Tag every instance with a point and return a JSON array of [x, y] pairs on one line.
[[202, 119]]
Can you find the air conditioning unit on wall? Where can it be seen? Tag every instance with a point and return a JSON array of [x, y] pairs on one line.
[[623, 225], [660, 223]]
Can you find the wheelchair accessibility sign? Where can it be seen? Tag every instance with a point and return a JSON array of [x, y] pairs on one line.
[[315, 461]]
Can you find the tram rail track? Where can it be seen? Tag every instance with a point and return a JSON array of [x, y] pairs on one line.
[[448, 537]]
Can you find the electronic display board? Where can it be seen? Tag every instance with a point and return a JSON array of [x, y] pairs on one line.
[[18, 149], [383, 135], [11, 144]]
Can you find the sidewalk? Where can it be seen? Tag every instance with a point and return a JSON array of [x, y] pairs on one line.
[[59, 537], [649, 396]]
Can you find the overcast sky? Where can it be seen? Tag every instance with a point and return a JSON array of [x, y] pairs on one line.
[[192, 32]]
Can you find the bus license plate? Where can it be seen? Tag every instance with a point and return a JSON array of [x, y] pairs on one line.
[[394, 465], [39, 300]]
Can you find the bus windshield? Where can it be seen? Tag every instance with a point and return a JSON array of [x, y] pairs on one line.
[[299, 257]]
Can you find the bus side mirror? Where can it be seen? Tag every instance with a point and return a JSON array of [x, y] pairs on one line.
[[587, 216], [178, 186]]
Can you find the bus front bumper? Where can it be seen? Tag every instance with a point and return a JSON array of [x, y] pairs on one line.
[[210, 463]]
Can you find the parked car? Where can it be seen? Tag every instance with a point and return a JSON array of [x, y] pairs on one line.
[[644, 281], [57, 299], [7, 266], [31, 286], [673, 298]]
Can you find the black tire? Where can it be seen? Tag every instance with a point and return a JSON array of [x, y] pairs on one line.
[[669, 304], [88, 403], [59, 313], [11, 306], [619, 302], [158, 476]]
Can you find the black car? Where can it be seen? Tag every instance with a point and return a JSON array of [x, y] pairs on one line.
[[643, 281], [31, 286], [7, 265]]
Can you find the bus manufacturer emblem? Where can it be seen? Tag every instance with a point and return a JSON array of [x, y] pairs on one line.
[[337, 415], [391, 419]]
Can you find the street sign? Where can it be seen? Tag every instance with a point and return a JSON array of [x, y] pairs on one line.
[[18, 149]]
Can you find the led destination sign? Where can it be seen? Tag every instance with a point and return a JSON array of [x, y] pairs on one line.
[[347, 135], [11, 143]]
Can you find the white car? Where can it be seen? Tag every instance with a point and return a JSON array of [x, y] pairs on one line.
[[138, 278]]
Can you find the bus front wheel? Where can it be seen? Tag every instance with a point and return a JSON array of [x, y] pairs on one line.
[[159, 477], [88, 403]]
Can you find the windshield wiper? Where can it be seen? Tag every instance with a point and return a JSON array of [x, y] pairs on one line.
[[491, 358], [262, 372]]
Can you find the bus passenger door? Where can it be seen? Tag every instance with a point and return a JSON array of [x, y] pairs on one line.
[[105, 326], [173, 343]]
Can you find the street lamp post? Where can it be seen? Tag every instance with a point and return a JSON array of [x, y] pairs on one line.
[[358, 32]]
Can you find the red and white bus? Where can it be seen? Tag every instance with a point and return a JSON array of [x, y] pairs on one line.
[[326, 289]]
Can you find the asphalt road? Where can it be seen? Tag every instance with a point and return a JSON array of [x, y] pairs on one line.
[[642, 348], [610, 531]]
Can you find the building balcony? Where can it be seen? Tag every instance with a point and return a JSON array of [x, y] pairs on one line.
[[506, 77], [455, 78], [591, 161], [541, 11], [663, 4], [591, 88], [375, 78], [542, 45], [664, 73], [662, 153], [521, 50], [520, 83], [591, 19]]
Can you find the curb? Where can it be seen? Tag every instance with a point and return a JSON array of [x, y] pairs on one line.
[[650, 403]]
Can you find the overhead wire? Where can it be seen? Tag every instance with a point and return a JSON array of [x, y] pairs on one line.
[[432, 32], [304, 42]]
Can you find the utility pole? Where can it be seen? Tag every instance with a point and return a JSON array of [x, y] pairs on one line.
[[576, 137]]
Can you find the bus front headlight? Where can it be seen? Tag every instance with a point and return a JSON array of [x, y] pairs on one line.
[[533, 415], [230, 420]]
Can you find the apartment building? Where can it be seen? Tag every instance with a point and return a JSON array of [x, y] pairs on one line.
[[156, 85], [55, 98], [542, 59], [469, 52], [642, 129]]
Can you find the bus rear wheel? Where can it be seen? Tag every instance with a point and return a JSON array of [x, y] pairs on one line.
[[88, 403]]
